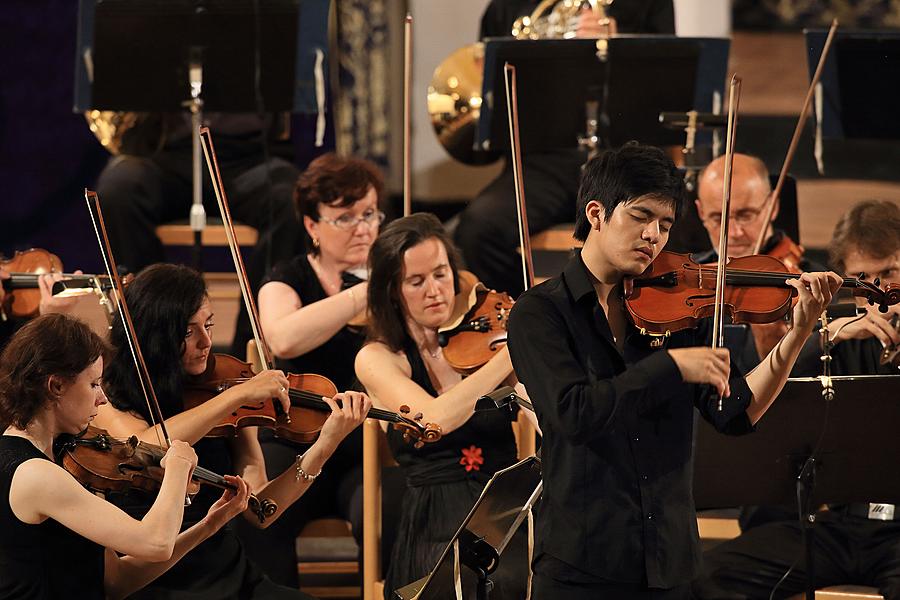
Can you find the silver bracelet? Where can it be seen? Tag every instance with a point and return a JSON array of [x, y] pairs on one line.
[[301, 474]]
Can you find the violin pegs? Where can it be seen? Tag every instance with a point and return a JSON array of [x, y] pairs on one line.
[[418, 417], [404, 410]]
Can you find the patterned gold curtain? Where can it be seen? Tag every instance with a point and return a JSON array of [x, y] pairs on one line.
[[362, 104], [795, 14]]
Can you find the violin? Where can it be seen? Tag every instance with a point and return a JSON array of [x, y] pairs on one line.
[[674, 292], [106, 464], [23, 297], [788, 252], [308, 411], [473, 339], [478, 329]]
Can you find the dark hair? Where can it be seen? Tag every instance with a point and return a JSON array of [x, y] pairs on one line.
[[387, 322], [335, 181], [619, 176], [872, 227], [52, 344], [161, 299]]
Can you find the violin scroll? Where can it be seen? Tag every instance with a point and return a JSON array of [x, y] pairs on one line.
[[413, 431]]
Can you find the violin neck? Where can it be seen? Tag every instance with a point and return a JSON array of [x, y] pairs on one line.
[[207, 476], [314, 401]]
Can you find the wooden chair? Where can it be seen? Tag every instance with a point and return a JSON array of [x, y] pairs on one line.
[[376, 455], [180, 234], [325, 548]]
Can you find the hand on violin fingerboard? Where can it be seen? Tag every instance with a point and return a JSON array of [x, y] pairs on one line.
[[344, 418], [814, 291], [49, 302], [230, 504]]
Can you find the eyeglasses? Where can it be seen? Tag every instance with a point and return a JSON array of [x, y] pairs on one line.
[[743, 217], [348, 222]]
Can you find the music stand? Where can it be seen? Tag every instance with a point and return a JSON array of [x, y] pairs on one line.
[[640, 76], [853, 451], [483, 535], [855, 99], [168, 55]]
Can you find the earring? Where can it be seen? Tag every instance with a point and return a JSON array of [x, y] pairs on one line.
[[315, 242]]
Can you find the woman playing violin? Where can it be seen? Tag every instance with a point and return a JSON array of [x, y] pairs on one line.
[[48, 302], [414, 274], [173, 319], [55, 534], [306, 305]]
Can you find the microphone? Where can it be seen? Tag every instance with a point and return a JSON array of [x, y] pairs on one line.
[[505, 396]]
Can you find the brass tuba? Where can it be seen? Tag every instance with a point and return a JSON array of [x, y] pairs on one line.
[[454, 94]]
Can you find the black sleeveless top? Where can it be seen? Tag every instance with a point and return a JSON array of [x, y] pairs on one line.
[[333, 359], [45, 561], [478, 449]]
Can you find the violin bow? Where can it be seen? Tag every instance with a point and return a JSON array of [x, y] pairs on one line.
[[407, 115], [718, 338], [512, 113], [209, 151], [112, 271], [527, 433], [772, 200]]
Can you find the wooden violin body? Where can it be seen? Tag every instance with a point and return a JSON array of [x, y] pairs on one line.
[[308, 411], [472, 339], [674, 293], [788, 252], [23, 298], [301, 425], [106, 464]]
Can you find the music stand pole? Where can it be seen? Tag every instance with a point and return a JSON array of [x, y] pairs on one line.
[[195, 104]]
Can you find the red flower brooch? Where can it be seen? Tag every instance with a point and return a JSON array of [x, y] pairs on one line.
[[472, 458]]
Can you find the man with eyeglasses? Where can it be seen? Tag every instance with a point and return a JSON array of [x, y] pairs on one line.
[[857, 543], [750, 189]]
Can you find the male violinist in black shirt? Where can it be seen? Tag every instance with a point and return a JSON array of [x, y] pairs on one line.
[[616, 408]]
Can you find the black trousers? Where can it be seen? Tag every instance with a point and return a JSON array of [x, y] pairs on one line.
[[137, 194], [544, 587], [848, 550], [488, 233]]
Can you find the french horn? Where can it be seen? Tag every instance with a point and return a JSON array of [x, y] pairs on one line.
[[454, 94]]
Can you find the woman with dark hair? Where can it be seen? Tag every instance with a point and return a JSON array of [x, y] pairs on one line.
[[173, 318], [53, 532], [414, 274], [306, 305]]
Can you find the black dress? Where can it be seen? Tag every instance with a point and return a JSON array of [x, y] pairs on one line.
[[334, 358], [45, 561], [218, 568], [444, 479], [338, 492]]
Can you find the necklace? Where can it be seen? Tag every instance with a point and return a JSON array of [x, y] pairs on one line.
[[434, 354], [329, 286]]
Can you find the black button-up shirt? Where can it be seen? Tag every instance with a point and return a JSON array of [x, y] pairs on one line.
[[617, 436]]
